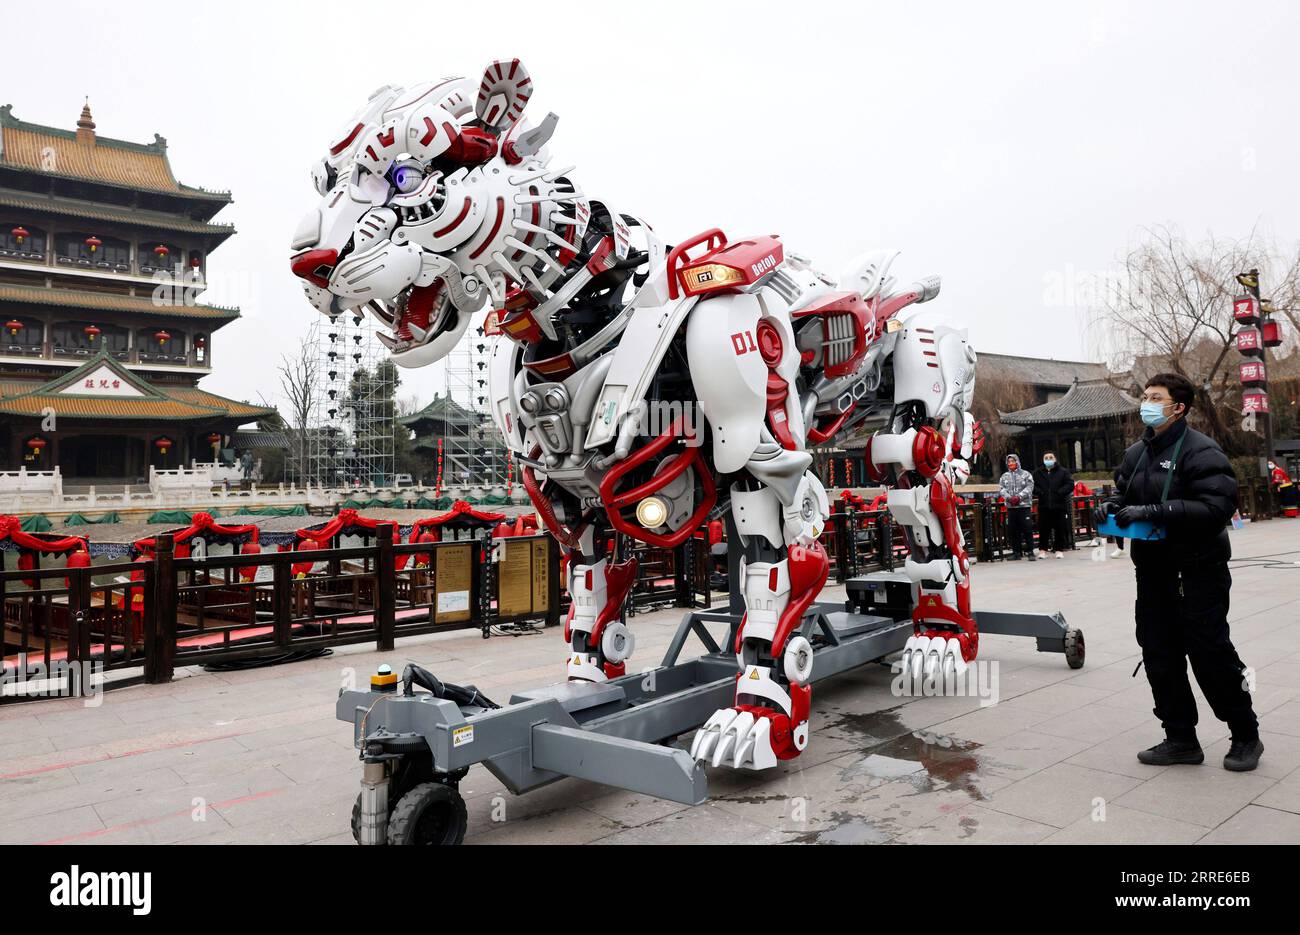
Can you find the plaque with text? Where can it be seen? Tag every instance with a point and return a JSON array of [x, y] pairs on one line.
[[453, 571]]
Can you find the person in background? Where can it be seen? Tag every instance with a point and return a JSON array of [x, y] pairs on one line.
[[1181, 481], [1287, 497], [1016, 487], [1054, 488]]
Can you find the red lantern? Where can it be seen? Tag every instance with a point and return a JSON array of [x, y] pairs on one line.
[[14, 326], [94, 243], [36, 444], [1255, 401], [163, 444], [437, 489], [20, 234], [249, 572], [1249, 342], [1252, 373], [1272, 333], [91, 331], [161, 251], [1245, 308], [422, 559], [77, 559], [162, 337]]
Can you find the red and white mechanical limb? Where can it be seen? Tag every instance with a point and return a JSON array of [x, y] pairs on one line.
[[769, 721], [600, 642], [935, 379]]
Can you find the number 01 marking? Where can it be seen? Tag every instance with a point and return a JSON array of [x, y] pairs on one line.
[[743, 342]]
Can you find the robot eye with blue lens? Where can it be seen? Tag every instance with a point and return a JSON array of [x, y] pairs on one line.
[[406, 176]]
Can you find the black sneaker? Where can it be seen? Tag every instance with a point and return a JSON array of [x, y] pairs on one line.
[[1172, 753], [1243, 755]]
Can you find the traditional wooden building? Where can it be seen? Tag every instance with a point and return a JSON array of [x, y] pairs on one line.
[[471, 446], [102, 256], [1088, 427]]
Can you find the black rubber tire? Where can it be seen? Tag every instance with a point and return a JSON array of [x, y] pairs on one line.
[[431, 813], [356, 819], [1074, 649]]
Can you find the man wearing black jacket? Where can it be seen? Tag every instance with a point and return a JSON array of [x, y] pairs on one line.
[[1054, 488], [1181, 481]]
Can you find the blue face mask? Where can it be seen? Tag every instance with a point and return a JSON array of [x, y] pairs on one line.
[[1153, 414], [1049, 462]]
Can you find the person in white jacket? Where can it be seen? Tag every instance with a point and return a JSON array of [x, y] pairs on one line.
[[1016, 487]]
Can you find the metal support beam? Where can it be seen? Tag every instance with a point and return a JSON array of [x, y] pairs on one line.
[[665, 772]]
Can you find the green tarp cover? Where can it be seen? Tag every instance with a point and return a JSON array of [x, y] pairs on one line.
[[79, 519], [174, 517], [37, 523], [298, 510]]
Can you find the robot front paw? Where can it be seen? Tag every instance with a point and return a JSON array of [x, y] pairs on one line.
[[749, 738], [933, 658]]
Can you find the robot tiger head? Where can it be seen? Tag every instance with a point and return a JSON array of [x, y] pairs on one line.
[[433, 200]]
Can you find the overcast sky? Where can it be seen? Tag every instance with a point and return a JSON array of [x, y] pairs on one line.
[[1015, 149]]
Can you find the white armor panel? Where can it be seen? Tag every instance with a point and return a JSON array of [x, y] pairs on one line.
[[654, 322], [764, 604], [911, 507], [729, 374], [587, 601], [934, 363], [757, 513], [502, 367]]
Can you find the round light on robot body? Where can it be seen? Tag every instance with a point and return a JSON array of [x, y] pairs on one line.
[[652, 512]]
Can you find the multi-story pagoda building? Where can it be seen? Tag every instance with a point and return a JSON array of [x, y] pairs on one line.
[[102, 255]]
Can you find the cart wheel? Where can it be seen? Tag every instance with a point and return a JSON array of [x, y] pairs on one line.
[[431, 813], [1074, 651], [356, 820]]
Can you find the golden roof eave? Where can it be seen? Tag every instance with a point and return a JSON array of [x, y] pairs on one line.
[[111, 301], [98, 212]]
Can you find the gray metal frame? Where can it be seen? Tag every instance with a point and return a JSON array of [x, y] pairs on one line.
[[615, 732]]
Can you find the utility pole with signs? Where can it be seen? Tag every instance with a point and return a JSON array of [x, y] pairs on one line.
[[1257, 333]]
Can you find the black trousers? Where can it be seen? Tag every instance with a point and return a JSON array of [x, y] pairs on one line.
[[1055, 530], [1020, 531], [1182, 615]]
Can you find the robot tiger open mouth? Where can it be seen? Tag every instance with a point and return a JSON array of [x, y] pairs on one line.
[[440, 201]]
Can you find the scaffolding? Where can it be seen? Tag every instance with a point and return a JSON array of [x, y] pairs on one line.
[[472, 450], [351, 442]]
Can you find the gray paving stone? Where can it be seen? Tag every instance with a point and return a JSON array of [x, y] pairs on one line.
[[1206, 795], [1256, 824], [1060, 794], [974, 824], [1126, 826]]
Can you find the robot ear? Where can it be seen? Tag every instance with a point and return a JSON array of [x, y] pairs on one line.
[[504, 91]]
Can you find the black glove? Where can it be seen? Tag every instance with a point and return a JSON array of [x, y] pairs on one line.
[[1138, 514], [1104, 509]]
